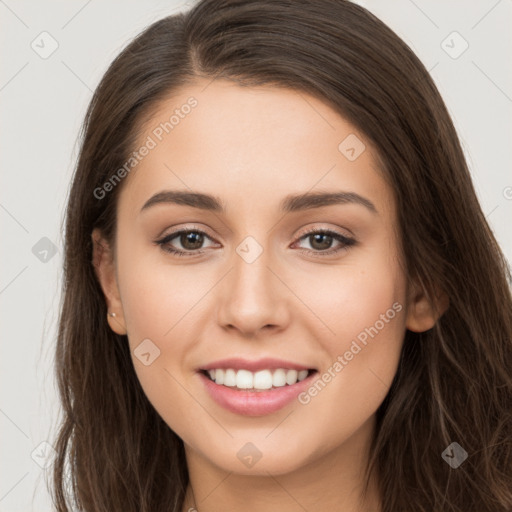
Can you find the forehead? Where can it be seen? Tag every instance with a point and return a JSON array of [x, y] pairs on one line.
[[252, 144]]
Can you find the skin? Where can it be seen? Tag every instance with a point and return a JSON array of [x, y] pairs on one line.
[[251, 147]]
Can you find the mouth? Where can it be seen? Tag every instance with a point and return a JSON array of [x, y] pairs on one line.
[[262, 380], [255, 388]]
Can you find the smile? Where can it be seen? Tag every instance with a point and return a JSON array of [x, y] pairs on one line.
[[255, 388], [257, 381]]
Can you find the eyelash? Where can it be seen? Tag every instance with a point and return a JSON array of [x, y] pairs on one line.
[[345, 241]]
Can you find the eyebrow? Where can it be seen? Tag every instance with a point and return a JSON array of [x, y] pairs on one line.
[[291, 203]]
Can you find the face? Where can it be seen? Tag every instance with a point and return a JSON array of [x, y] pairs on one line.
[[252, 293]]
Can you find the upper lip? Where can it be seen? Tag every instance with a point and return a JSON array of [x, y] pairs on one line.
[[266, 363]]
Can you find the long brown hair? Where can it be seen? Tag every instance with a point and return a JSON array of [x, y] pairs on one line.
[[453, 384]]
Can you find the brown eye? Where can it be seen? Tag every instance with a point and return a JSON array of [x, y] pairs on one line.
[[321, 240], [190, 240]]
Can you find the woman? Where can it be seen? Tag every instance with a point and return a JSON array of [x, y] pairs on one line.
[[281, 292]]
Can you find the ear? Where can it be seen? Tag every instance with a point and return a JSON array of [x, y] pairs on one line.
[[422, 311], [104, 267]]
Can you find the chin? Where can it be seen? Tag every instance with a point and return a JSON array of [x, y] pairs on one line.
[[250, 460]]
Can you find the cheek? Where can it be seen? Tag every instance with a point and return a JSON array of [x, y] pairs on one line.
[[157, 296], [348, 299], [159, 303], [365, 313], [163, 314], [157, 300]]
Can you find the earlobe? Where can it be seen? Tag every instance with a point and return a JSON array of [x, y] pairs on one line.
[[104, 267], [423, 313]]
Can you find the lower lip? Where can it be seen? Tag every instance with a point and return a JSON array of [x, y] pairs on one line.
[[255, 403]]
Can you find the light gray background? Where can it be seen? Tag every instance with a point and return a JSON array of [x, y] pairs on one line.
[[42, 104]]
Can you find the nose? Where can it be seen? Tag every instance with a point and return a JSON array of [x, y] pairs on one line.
[[253, 297]]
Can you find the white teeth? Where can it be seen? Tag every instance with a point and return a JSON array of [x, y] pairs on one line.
[[244, 379], [291, 377], [302, 375], [279, 378], [261, 380], [229, 378]]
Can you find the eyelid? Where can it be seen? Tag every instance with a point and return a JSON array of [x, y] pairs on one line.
[[192, 227], [321, 229], [315, 229]]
